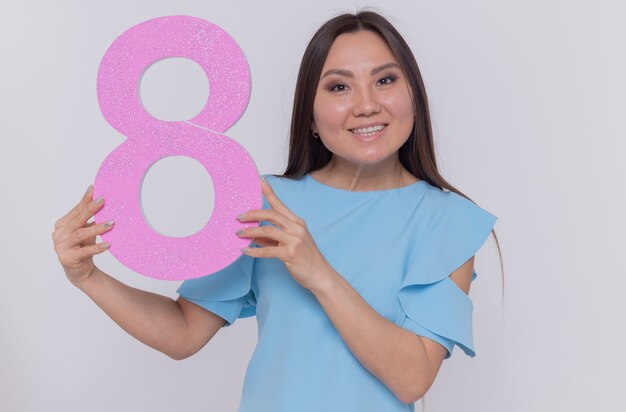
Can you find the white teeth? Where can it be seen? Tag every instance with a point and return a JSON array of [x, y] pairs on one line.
[[368, 131]]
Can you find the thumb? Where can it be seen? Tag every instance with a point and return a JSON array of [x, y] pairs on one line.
[[89, 241]]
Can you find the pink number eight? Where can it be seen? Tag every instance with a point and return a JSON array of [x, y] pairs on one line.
[[233, 172]]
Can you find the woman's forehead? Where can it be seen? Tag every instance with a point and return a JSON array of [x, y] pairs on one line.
[[360, 49]]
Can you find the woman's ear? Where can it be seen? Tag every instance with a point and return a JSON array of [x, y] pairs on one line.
[[313, 127]]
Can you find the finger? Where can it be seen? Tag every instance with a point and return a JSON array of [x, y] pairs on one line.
[[268, 232], [261, 241], [76, 255], [266, 252], [86, 252], [84, 234], [87, 197], [64, 230], [275, 202], [84, 214], [91, 240], [269, 215]]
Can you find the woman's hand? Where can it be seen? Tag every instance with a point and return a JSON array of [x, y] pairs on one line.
[[291, 242], [75, 239]]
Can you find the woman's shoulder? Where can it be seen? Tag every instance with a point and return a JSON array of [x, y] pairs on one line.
[[283, 184], [440, 199], [448, 209], [289, 190], [281, 179]]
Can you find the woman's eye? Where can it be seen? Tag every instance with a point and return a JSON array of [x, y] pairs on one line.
[[388, 79], [334, 88]]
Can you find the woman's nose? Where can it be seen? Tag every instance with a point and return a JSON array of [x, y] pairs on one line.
[[365, 103]]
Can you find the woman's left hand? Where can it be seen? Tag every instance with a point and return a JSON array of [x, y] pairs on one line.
[[290, 242]]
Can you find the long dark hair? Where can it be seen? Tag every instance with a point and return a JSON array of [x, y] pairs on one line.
[[417, 155]]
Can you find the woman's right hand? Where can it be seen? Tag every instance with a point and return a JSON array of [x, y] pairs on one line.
[[75, 239]]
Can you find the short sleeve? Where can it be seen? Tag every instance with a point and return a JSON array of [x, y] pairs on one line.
[[227, 293], [435, 307]]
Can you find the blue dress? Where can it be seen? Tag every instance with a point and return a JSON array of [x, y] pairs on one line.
[[396, 247]]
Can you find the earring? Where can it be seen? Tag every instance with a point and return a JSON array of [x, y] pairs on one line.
[[315, 135]]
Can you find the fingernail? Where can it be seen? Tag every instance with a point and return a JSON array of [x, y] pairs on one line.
[[108, 224], [241, 216], [245, 250], [100, 199], [264, 179], [89, 189], [105, 245]]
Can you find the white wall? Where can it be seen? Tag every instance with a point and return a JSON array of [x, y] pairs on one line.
[[527, 100]]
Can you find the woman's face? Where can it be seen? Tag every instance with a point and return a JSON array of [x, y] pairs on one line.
[[363, 110]]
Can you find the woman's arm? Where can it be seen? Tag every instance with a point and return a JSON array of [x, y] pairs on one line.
[[405, 362], [177, 328]]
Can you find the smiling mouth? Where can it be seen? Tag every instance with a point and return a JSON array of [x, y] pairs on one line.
[[368, 131]]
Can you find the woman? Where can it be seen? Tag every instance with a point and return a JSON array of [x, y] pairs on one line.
[[362, 263]]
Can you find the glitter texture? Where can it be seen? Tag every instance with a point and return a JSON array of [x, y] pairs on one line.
[[233, 172]]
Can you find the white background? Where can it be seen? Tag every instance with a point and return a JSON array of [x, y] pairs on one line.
[[529, 110]]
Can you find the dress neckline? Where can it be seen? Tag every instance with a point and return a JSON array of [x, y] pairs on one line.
[[415, 185]]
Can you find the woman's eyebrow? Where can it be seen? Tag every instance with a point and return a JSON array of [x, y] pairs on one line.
[[348, 73]]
